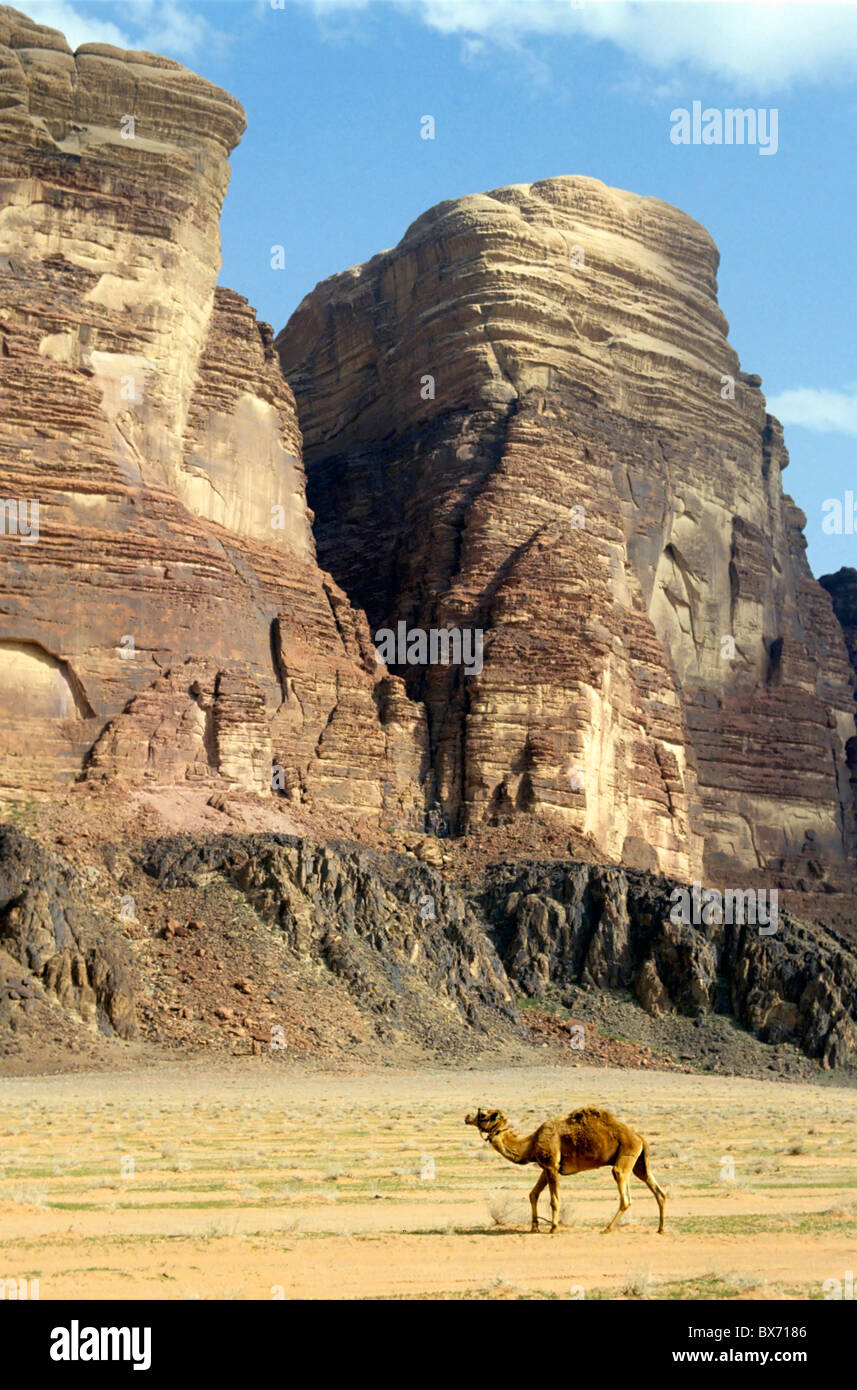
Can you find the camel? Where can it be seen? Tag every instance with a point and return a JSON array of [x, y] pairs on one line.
[[587, 1138]]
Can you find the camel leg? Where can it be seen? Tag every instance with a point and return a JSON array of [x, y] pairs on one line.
[[644, 1173], [534, 1198], [660, 1198], [622, 1171], [553, 1182]]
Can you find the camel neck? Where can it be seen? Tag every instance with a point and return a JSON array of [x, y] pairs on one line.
[[511, 1146]]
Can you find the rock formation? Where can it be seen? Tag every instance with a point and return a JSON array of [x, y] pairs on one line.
[[611, 928], [524, 422], [527, 419], [411, 950], [408, 958], [48, 925], [842, 587], [166, 620]]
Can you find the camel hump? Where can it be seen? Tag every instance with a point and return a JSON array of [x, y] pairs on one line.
[[591, 1112]]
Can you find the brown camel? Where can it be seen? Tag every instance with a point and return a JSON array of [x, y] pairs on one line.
[[587, 1138]]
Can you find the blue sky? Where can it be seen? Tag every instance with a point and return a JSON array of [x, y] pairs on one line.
[[333, 168]]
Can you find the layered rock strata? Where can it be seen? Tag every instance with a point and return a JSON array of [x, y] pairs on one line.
[[842, 587], [527, 419], [166, 618]]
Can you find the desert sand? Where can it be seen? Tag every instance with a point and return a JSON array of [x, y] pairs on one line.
[[255, 1181]]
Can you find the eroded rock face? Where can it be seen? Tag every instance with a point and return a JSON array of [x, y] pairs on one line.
[[118, 163], [521, 420], [516, 423], [424, 962], [47, 924], [166, 619], [611, 929], [408, 947], [842, 587]]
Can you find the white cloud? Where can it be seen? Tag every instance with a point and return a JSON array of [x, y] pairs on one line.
[[175, 29], [160, 26], [757, 46], [78, 28], [825, 412]]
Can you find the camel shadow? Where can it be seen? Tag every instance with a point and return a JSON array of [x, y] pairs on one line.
[[521, 1230]]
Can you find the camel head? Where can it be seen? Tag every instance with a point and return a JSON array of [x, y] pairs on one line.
[[488, 1122]]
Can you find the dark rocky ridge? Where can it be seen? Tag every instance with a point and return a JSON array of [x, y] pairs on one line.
[[359, 915], [48, 924], [610, 929], [421, 962]]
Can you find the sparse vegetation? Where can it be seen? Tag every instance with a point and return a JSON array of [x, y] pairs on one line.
[[504, 1210], [224, 1217]]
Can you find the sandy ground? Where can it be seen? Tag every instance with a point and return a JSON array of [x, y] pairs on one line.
[[257, 1182]]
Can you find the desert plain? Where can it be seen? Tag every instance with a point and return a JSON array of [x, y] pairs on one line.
[[259, 1181]]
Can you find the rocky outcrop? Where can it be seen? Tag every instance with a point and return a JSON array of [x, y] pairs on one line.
[[527, 419], [409, 948], [338, 946], [115, 166], [167, 619], [842, 587], [607, 928], [48, 924]]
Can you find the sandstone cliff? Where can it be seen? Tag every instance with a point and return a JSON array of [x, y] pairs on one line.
[[168, 622], [527, 418], [842, 587]]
